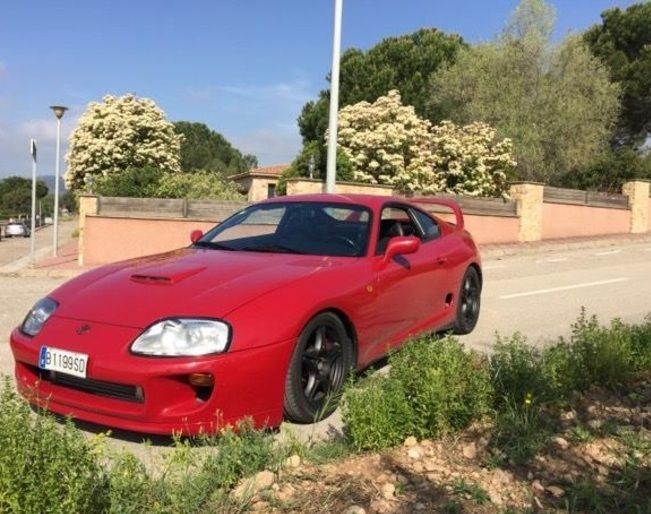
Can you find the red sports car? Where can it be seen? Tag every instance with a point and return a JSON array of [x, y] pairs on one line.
[[262, 317]]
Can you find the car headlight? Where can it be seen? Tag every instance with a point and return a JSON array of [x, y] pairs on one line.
[[180, 337], [36, 318]]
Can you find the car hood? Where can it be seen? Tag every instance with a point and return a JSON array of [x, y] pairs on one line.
[[187, 282]]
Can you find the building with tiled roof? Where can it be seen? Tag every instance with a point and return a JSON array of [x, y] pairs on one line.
[[259, 183]]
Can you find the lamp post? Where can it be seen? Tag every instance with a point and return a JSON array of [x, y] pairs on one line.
[[331, 170], [59, 111]]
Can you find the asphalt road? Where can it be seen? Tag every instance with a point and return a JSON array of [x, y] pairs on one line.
[[538, 295]]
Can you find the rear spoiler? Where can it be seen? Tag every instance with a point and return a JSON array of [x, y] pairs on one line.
[[443, 202]]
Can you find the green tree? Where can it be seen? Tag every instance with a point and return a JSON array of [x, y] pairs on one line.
[[555, 102], [16, 195], [623, 42], [404, 63], [609, 171], [205, 149]]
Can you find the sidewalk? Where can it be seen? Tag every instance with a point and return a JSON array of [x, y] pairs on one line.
[[555, 245]]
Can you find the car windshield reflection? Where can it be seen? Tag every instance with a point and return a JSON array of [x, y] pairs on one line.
[[309, 228]]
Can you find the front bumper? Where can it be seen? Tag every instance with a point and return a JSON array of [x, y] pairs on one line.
[[152, 394]]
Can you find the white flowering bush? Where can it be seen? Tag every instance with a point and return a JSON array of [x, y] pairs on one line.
[[387, 143], [471, 160], [120, 133]]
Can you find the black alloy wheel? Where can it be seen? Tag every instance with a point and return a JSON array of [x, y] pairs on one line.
[[322, 359], [468, 302]]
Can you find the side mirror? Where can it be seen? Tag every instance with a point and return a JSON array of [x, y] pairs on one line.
[[401, 245], [195, 235]]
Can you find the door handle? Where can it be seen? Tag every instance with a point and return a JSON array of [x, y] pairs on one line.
[[441, 260]]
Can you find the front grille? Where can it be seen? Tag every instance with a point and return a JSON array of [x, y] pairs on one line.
[[128, 393]]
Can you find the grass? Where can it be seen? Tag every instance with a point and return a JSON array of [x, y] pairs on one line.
[[434, 387]]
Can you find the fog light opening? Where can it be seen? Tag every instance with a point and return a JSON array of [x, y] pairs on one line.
[[201, 379], [448, 299]]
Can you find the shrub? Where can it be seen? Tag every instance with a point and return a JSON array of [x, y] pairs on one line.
[[44, 465], [602, 355], [132, 183], [153, 183], [434, 387], [119, 133], [516, 371], [376, 413], [446, 386]]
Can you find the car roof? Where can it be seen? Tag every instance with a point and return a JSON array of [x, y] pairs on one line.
[[372, 201]]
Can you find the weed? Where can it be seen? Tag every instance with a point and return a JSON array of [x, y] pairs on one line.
[[470, 491]]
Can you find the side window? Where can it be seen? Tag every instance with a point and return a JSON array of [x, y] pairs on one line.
[[429, 227], [394, 221]]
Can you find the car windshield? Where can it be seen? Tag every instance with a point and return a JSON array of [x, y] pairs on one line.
[[311, 228]]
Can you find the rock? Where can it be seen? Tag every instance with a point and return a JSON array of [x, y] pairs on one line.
[[417, 467], [537, 486], [380, 506], [251, 486], [415, 453], [495, 497], [430, 465], [595, 424], [285, 493], [401, 479], [420, 506], [260, 507], [355, 509], [469, 451], [293, 462], [561, 443], [569, 415], [388, 491], [502, 477], [529, 475], [555, 491], [410, 441]]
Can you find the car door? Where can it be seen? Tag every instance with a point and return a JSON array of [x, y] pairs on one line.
[[407, 286]]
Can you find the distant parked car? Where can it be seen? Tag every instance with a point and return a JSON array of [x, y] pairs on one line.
[[17, 229]]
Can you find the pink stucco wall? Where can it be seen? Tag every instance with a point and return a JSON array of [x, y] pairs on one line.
[[562, 221], [111, 239], [493, 229]]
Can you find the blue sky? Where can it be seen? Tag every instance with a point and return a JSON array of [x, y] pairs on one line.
[[245, 68]]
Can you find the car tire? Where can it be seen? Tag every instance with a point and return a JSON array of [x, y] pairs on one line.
[[321, 362], [469, 302]]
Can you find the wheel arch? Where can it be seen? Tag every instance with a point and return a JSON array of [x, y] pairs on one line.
[[479, 272]]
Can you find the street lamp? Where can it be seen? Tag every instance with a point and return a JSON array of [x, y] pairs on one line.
[[331, 170], [59, 111]]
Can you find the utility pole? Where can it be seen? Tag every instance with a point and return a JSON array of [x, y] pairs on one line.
[[331, 170]]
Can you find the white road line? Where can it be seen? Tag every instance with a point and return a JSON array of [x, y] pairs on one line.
[[609, 252], [496, 266], [553, 259], [564, 288]]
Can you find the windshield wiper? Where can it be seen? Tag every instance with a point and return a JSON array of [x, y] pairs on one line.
[[273, 248], [212, 245]]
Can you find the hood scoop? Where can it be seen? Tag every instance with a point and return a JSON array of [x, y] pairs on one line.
[[165, 275]]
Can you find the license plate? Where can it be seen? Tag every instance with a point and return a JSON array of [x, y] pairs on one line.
[[54, 359]]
